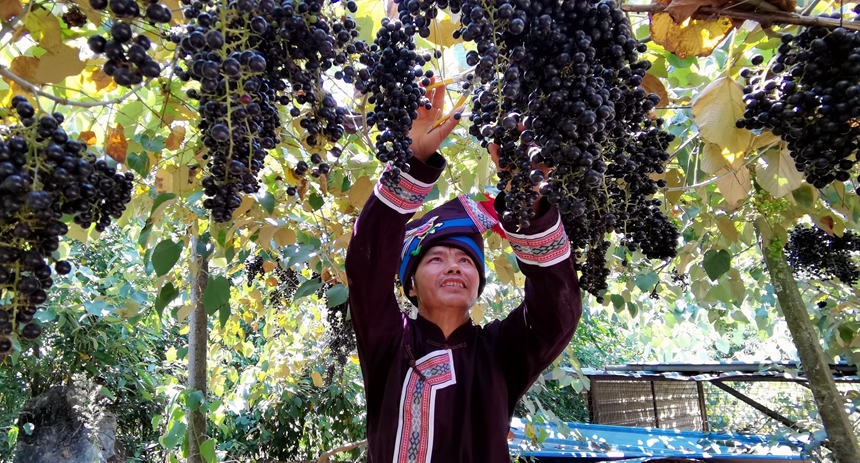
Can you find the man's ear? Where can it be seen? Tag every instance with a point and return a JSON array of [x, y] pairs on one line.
[[412, 292]]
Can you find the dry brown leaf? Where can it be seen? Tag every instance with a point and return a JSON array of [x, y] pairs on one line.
[[100, 79], [88, 137], [734, 185], [268, 266], [683, 9], [174, 140], [674, 179], [116, 146], [57, 64], [94, 16], [693, 37], [10, 8], [652, 84], [24, 67]]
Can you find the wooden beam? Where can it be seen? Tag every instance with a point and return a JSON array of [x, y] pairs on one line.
[[752, 403]]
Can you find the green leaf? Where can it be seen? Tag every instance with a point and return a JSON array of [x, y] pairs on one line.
[[138, 163], [315, 201], [647, 281], [307, 288], [805, 195], [207, 450], [129, 113], [97, 307], [165, 255], [12, 436], [267, 201], [160, 199], [168, 293], [717, 263], [194, 399], [153, 145], [176, 433], [217, 294], [224, 314], [336, 295], [617, 301]]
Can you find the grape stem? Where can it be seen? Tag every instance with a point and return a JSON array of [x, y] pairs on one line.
[[707, 12], [33, 88]]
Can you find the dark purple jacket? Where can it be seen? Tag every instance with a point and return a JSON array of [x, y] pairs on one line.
[[458, 409]]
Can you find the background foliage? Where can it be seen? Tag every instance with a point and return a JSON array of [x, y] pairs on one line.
[[275, 392]]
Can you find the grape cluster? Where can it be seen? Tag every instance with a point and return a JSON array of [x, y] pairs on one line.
[[44, 175], [250, 57], [393, 69], [340, 339], [811, 98], [125, 45], [812, 252], [576, 108], [287, 279]]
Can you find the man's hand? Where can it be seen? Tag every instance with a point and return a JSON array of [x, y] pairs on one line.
[[425, 138]]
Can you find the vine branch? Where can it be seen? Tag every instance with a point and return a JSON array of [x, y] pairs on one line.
[[325, 456], [33, 88], [707, 12]]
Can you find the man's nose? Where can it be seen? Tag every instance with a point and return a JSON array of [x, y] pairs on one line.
[[454, 266]]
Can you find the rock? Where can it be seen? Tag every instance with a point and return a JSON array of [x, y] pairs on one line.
[[70, 425]]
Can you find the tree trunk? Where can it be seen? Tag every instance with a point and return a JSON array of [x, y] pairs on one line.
[[815, 366], [197, 344]]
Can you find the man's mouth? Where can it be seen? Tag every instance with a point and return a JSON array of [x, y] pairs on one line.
[[453, 283]]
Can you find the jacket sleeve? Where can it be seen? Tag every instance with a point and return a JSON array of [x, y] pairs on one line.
[[373, 254], [539, 329]]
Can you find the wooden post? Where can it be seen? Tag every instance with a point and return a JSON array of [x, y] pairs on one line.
[[830, 403], [197, 346]]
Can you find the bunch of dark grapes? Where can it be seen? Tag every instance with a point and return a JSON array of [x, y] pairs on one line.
[[45, 174], [812, 252], [811, 98], [253, 269], [394, 67], [248, 57], [576, 107], [125, 45], [340, 339], [287, 279]]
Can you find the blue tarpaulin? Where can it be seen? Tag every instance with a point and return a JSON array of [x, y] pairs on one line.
[[581, 442]]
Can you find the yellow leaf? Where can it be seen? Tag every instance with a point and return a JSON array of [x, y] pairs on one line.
[[317, 379], [93, 16], [174, 140], [777, 174], [766, 138], [116, 146], [44, 28], [693, 37], [711, 159], [674, 179], [256, 295], [77, 233], [727, 228], [101, 80], [734, 184], [715, 111], [88, 137], [9, 8], [359, 192], [285, 237], [505, 272], [477, 314], [830, 223], [441, 32]]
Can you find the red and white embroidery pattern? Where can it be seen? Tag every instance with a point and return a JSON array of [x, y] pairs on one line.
[[414, 442], [482, 220], [542, 249], [404, 196]]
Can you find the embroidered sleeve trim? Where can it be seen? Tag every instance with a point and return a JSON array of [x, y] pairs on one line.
[[482, 220], [414, 441], [404, 196], [542, 249]]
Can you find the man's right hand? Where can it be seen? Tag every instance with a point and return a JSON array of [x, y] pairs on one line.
[[425, 138]]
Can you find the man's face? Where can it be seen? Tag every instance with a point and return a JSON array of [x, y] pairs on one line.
[[446, 277]]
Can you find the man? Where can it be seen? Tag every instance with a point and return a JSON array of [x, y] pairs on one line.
[[438, 388]]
